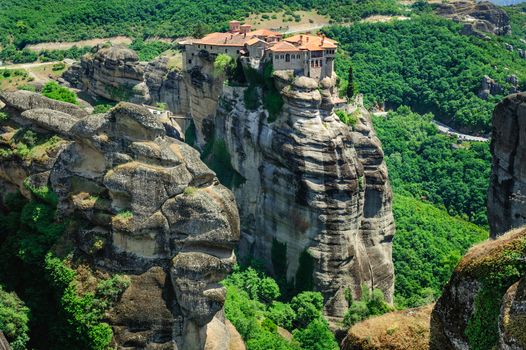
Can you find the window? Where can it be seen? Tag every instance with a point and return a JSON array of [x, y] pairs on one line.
[[198, 46], [226, 50], [189, 61], [321, 63], [287, 58], [237, 51]]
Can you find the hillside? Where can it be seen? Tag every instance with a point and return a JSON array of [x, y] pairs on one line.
[[427, 64], [26, 21]]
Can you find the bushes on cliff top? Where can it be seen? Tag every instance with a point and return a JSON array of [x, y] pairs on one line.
[[370, 304], [497, 271], [56, 92]]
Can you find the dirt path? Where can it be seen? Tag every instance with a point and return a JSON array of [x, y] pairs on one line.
[[116, 40], [28, 65]]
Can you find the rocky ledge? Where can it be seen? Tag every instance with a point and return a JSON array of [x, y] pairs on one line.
[[483, 303], [116, 74]]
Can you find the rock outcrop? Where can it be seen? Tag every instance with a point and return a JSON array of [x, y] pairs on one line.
[[116, 74], [483, 301], [400, 330], [507, 190], [316, 196], [145, 205], [312, 184], [479, 18], [512, 319]]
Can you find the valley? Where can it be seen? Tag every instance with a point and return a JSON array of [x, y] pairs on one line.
[[262, 175]]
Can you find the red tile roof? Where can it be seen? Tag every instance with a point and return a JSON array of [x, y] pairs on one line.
[[265, 33], [284, 46], [312, 42], [224, 39]]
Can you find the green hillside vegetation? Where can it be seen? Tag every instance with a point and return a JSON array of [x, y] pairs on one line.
[[29, 21], [425, 63], [428, 165], [426, 248], [14, 319], [60, 93], [255, 308], [439, 185]]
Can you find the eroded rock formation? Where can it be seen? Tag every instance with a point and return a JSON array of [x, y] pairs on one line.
[[400, 330], [507, 190], [311, 182], [144, 205], [314, 187], [115, 73]]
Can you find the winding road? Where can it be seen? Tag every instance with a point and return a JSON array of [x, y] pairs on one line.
[[444, 129]]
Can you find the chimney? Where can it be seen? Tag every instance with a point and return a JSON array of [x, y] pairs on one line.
[[233, 26], [245, 28], [301, 39]]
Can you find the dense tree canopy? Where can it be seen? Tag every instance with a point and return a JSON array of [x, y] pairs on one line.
[[30, 21], [425, 63], [426, 248], [433, 166]]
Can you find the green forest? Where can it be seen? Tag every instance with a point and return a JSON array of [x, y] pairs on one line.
[[440, 186], [434, 167], [425, 63], [27, 21]]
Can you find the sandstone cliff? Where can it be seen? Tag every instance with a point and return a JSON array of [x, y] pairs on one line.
[[315, 203], [312, 184], [507, 190], [145, 205]]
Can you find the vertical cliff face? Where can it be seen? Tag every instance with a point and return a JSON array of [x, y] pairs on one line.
[[145, 205], [507, 190], [316, 196]]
